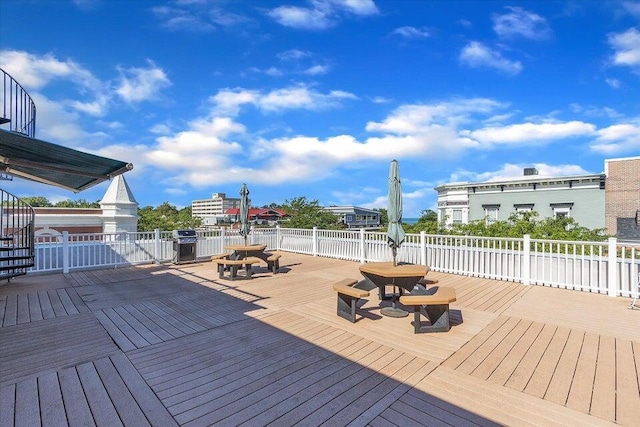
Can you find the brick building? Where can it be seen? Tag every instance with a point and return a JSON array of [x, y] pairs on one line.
[[622, 197]]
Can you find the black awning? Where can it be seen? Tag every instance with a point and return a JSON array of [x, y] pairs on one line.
[[53, 164]]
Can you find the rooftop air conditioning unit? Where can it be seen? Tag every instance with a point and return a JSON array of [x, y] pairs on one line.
[[530, 171]]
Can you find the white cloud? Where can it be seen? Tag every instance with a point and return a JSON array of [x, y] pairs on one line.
[[358, 7], [411, 32], [301, 18], [293, 55], [627, 48], [617, 139], [220, 150], [321, 14], [36, 71], [477, 55], [175, 19], [521, 23], [380, 100], [142, 84], [530, 133], [229, 101], [316, 70], [416, 118], [160, 128], [510, 171], [614, 83], [196, 16]]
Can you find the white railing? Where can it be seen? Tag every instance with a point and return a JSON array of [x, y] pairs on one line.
[[604, 267]]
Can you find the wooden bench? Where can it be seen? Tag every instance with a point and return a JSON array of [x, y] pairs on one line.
[[273, 262], [348, 298], [233, 265], [219, 256], [436, 305]]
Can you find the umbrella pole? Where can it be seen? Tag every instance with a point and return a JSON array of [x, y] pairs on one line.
[[394, 251]]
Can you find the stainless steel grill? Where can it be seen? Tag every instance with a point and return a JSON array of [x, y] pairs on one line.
[[184, 244]]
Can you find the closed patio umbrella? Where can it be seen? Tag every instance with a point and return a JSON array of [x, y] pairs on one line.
[[244, 212], [395, 232]]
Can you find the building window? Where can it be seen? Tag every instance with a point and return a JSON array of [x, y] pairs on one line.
[[523, 207], [561, 209], [457, 216], [491, 213]]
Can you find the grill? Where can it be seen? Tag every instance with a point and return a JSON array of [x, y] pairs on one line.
[[184, 244]]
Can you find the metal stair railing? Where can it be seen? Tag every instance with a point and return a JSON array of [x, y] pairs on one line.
[[17, 236], [16, 107]]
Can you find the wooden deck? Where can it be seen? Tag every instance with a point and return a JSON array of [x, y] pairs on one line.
[[175, 345]]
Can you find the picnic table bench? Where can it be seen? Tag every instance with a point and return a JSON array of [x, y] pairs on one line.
[[233, 265], [348, 297], [436, 305]]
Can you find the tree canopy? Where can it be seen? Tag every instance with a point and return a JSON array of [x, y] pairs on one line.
[[43, 202], [518, 224], [166, 217], [308, 214]]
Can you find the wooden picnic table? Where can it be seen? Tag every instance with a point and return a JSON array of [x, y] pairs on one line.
[[245, 251], [405, 276]]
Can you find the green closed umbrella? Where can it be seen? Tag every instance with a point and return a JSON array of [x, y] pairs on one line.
[[395, 232], [244, 212]]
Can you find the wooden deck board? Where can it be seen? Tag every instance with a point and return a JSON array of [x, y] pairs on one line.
[[197, 350]]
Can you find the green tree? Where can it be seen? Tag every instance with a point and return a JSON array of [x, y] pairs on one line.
[[521, 223], [166, 217], [428, 223], [37, 201], [185, 220], [81, 203], [384, 218], [308, 214]]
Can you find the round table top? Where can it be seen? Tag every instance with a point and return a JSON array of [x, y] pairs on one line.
[[246, 247], [387, 269]]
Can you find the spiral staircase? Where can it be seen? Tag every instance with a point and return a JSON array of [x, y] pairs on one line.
[[17, 253]]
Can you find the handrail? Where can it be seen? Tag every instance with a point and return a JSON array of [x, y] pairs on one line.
[[17, 235], [602, 267], [18, 109]]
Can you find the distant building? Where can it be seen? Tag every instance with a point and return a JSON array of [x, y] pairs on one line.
[[610, 200], [258, 215], [118, 213], [355, 217], [213, 210], [580, 197]]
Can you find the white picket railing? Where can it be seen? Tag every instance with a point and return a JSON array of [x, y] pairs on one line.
[[607, 267]]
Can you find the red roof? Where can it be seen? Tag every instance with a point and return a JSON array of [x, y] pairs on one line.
[[258, 212]]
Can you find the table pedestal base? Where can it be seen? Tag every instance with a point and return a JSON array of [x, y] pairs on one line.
[[393, 312]]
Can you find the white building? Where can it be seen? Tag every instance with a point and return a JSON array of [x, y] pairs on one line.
[[213, 209], [118, 213]]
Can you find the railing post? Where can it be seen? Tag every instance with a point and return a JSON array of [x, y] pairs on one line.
[[222, 239], [423, 248], [526, 259], [363, 256], [156, 246], [252, 234], [278, 237], [612, 276], [65, 252], [315, 241]]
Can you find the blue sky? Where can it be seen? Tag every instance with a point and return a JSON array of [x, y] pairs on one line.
[[315, 98]]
